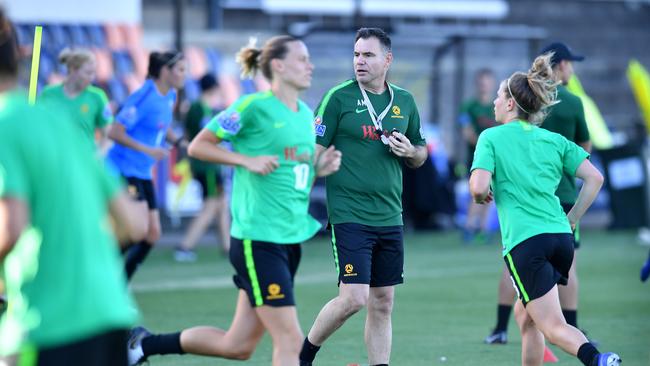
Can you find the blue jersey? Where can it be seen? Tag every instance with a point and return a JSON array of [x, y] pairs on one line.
[[146, 115]]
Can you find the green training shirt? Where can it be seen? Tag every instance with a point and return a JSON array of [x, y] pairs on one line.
[[273, 207], [568, 119], [477, 115], [368, 187], [527, 163], [89, 110], [65, 275]]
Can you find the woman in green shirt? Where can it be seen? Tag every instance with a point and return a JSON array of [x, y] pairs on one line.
[[520, 165], [86, 105], [274, 143]]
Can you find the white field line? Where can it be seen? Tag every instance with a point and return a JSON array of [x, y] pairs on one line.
[[204, 282]]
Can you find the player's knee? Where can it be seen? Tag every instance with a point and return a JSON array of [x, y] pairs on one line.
[[381, 305], [355, 301], [240, 352]]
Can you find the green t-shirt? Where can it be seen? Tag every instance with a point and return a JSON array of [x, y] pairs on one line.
[[477, 115], [64, 277], [527, 163], [197, 117], [367, 189], [89, 110], [568, 119], [271, 207]]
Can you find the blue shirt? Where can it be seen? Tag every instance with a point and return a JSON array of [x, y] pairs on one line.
[[146, 115]]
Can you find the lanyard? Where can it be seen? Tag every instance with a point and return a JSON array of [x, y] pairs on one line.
[[376, 119]]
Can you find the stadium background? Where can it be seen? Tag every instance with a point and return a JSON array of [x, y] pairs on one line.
[[438, 45]]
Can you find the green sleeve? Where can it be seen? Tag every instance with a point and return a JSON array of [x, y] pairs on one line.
[[484, 154], [582, 132], [414, 130], [104, 112], [230, 123], [326, 120], [573, 155], [13, 173]]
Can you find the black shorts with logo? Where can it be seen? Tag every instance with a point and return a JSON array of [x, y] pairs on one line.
[[371, 255], [539, 263], [265, 270], [576, 234], [142, 190]]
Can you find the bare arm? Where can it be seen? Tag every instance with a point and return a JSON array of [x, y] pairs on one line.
[[14, 218], [129, 218], [117, 133], [592, 182], [479, 186], [205, 147], [326, 160], [414, 156]]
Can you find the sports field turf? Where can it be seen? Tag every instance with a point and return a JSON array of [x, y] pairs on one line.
[[445, 308]]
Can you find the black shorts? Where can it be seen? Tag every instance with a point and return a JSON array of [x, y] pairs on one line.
[[539, 263], [371, 255], [142, 190], [265, 270], [576, 234], [211, 183], [106, 349]]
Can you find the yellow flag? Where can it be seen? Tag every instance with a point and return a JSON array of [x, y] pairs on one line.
[[599, 134], [639, 80]]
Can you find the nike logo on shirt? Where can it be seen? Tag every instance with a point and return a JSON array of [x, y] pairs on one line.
[[360, 110]]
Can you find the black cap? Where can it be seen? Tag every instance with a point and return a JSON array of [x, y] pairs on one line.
[[208, 81], [561, 52]]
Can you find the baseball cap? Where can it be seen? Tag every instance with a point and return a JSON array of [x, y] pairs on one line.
[[561, 52]]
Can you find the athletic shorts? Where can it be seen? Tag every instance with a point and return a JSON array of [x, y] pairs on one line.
[[211, 183], [576, 234], [106, 349], [539, 263], [371, 255], [142, 190], [265, 270]]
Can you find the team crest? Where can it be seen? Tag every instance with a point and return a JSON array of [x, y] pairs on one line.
[[396, 112], [84, 108], [275, 292], [229, 121], [349, 271]]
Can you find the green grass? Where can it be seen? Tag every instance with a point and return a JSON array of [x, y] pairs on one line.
[[446, 306]]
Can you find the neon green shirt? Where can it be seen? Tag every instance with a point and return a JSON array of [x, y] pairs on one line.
[[527, 164], [64, 277], [273, 207], [89, 110], [367, 189]]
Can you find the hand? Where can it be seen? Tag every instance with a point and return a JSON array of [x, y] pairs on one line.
[[400, 145], [489, 198], [158, 153], [329, 162], [262, 165]]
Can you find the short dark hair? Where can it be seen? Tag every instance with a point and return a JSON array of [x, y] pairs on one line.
[[8, 47], [158, 60], [208, 81], [378, 33]]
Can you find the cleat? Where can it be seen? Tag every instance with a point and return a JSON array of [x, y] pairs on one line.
[[549, 357], [645, 271], [184, 256], [497, 337], [609, 359], [134, 346]]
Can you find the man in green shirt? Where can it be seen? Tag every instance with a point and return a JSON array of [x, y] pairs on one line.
[[86, 105], [67, 295], [376, 126]]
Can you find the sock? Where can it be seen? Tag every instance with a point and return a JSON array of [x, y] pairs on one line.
[[587, 353], [136, 255], [503, 316], [308, 351], [571, 317], [380, 364], [162, 344]]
